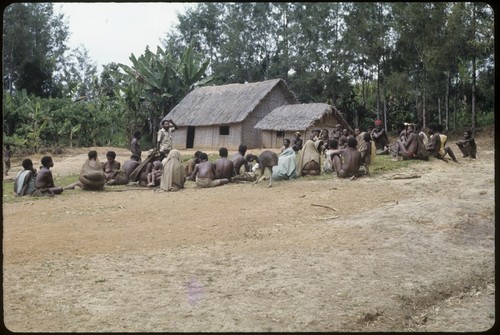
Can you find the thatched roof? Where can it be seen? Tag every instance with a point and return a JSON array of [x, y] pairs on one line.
[[215, 105], [298, 117]]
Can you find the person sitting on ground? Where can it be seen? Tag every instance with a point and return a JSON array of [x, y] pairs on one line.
[[146, 169], [343, 139], [286, 144], [204, 173], [91, 175], [444, 142], [467, 145], [154, 176], [325, 139], [327, 165], [309, 160], [44, 182], [243, 176], [240, 161], [111, 166], [359, 135], [407, 146], [421, 134], [191, 163], [140, 174], [394, 146], [347, 162], [380, 138], [296, 142], [24, 184], [437, 144], [113, 172], [135, 148], [224, 168], [174, 174], [287, 166], [131, 164]]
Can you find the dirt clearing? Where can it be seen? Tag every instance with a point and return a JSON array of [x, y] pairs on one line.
[[398, 255]]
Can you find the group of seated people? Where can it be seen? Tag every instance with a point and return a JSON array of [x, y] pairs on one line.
[[344, 154], [30, 182]]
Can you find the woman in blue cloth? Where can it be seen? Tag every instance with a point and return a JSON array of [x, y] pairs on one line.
[[286, 165]]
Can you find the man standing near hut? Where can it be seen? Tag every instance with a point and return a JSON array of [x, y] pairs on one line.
[[297, 142], [164, 137]]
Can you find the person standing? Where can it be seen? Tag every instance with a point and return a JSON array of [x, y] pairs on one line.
[[135, 148], [297, 142], [164, 137], [6, 159]]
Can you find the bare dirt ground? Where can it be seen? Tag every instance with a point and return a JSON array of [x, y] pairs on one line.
[[398, 255]]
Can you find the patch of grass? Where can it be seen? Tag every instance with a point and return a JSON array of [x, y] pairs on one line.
[[381, 164], [10, 197], [384, 163]]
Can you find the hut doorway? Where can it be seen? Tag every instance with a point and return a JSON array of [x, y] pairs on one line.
[[190, 137]]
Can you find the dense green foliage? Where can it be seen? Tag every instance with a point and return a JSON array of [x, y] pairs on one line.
[[414, 62], [394, 61]]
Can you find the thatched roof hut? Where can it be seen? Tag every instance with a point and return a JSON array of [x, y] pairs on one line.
[[284, 121], [214, 116]]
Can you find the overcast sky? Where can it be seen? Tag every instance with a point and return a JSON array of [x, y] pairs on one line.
[[112, 31]]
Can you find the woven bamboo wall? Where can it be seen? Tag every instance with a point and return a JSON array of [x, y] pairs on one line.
[[270, 139], [251, 136], [179, 138], [209, 138]]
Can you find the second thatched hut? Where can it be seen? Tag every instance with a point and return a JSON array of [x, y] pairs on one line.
[[284, 121]]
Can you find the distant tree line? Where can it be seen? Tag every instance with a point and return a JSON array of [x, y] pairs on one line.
[[414, 62]]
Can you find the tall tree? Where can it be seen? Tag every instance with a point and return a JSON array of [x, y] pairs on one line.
[[33, 47]]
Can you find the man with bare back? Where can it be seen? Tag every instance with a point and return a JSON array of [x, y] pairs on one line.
[[131, 164], [44, 182], [240, 161], [224, 168], [204, 173], [406, 147], [347, 161]]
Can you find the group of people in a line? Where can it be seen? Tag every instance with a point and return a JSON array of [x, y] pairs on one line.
[[344, 154]]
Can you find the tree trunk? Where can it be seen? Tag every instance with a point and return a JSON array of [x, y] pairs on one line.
[[439, 110], [447, 100], [473, 100], [423, 103], [378, 92]]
